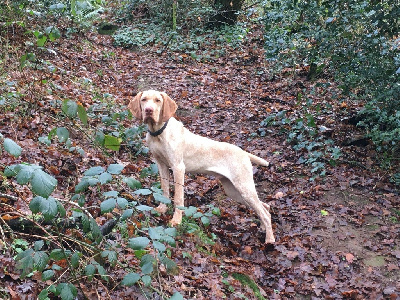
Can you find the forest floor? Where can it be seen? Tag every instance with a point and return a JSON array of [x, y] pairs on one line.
[[338, 236]]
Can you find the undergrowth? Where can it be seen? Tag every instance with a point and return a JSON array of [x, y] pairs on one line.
[[75, 245], [308, 138], [357, 43]]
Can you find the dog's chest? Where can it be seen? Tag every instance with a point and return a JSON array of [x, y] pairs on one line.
[[161, 150]]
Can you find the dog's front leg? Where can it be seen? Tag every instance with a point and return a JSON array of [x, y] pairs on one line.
[[179, 178], [164, 178]]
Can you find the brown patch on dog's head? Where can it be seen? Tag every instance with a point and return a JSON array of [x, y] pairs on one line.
[[134, 106], [169, 107]]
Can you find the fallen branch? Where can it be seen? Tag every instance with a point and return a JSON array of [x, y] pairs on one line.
[[8, 197]]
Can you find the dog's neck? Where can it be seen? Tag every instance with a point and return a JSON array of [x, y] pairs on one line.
[[155, 129]]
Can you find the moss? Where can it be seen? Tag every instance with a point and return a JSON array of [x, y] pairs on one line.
[[247, 281]]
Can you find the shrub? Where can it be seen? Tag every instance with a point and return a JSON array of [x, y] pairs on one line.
[[190, 14], [355, 42]]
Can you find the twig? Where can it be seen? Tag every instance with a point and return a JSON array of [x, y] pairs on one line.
[[8, 197], [50, 238], [77, 205]]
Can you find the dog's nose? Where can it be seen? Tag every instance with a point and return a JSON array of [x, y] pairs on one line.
[[148, 110]]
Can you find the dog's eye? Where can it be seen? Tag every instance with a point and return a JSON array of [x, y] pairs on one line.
[[144, 100], [158, 100]]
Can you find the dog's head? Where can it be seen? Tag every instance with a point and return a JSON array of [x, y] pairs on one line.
[[152, 107]]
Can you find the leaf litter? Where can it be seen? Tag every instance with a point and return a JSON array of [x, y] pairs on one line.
[[351, 251]]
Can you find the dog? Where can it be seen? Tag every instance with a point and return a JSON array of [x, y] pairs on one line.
[[173, 146]]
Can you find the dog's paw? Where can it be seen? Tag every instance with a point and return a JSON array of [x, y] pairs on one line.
[[161, 209], [176, 219], [269, 240]]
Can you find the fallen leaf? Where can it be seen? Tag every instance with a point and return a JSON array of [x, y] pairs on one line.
[[292, 254], [248, 249], [392, 267], [349, 258]]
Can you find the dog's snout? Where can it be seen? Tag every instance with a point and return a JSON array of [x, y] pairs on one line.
[[149, 110]]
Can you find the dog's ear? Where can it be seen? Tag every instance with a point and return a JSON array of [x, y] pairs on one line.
[[169, 107], [134, 106]]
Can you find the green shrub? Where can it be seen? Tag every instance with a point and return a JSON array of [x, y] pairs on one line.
[[190, 14], [306, 136], [352, 40]]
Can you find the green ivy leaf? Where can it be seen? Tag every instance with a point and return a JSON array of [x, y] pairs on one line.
[[205, 220], [55, 34], [108, 205], [40, 260], [111, 256], [169, 264], [190, 211], [115, 169], [94, 171], [90, 270], [144, 208], [75, 259], [44, 294], [62, 134], [161, 198], [122, 202], [146, 279], [70, 108], [47, 275], [105, 178], [143, 192], [127, 214], [82, 114], [48, 207], [25, 174], [159, 246], [58, 254], [38, 245], [66, 291], [132, 183], [176, 296], [112, 142], [24, 262], [43, 184], [99, 138], [41, 40], [130, 279], [216, 211], [147, 268], [12, 147], [138, 243]]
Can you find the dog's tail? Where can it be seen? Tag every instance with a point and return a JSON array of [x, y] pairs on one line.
[[258, 160]]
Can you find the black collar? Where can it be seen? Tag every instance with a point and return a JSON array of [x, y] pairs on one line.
[[159, 131]]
